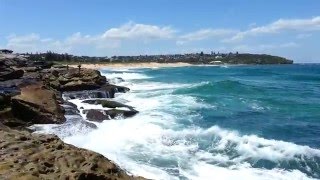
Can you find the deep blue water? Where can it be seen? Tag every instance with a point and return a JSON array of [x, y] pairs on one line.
[[274, 102]]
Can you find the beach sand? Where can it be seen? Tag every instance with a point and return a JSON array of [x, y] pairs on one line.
[[131, 65]]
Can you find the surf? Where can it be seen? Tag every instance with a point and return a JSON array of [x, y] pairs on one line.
[[164, 140]]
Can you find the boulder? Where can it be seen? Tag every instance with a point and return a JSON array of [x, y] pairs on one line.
[[99, 115], [41, 64], [4, 100], [7, 118], [111, 89], [13, 60], [16, 84], [96, 115], [113, 113], [72, 80], [37, 105], [10, 73], [36, 156], [106, 103], [116, 80]]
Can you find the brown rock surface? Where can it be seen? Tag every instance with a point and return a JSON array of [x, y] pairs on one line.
[[37, 105], [72, 80], [9, 73], [33, 156]]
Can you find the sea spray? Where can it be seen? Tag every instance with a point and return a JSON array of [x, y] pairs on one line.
[[194, 127]]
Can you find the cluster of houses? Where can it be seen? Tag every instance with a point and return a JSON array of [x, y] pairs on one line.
[[212, 58]]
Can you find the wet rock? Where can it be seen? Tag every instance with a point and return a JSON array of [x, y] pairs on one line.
[[38, 105], [116, 80], [98, 115], [111, 89], [106, 103], [70, 110], [113, 113], [95, 115]]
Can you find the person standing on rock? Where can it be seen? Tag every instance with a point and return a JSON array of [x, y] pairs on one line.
[[79, 66]]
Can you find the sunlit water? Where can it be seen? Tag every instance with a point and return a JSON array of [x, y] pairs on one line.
[[230, 122]]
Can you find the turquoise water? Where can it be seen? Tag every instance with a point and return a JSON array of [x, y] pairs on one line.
[[274, 102], [205, 122]]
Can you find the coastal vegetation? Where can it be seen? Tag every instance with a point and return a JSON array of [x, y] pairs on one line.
[[192, 58]]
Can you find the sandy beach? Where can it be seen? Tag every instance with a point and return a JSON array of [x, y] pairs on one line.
[[132, 65]]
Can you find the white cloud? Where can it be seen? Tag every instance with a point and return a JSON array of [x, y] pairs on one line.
[[110, 39], [33, 42], [312, 24], [12, 39], [204, 34], [133, 31]]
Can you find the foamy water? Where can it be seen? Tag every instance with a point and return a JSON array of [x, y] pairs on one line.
[[162, 142]]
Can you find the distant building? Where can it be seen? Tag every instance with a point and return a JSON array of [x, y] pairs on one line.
[[216, 62], [6, 51]]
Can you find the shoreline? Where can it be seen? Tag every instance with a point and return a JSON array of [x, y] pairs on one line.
[[135, 65], [131, 65]]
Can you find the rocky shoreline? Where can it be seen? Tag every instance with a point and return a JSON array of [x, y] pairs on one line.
[[37, 92]]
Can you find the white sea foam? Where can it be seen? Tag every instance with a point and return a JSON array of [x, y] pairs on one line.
[[155, 143]]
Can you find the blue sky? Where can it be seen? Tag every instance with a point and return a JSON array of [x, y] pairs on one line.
[[126, 27]]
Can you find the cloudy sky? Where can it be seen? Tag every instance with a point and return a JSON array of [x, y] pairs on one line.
[[289, 28]]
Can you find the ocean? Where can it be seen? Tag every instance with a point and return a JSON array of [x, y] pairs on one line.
[[211, 122]]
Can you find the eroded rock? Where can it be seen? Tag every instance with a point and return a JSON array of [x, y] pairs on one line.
[[37, 105], [34, 156], [73, 80]]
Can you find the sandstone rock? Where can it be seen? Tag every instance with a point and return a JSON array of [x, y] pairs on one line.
[[7, 118], [9, 73], [72, 80], [37, 105], [13, 60], [34, 156]]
